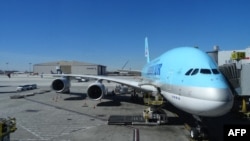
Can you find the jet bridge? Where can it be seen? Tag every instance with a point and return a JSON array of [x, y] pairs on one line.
[[238, 76]]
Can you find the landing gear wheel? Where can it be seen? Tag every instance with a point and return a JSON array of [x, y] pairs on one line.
[[198, 133], [194, 133]]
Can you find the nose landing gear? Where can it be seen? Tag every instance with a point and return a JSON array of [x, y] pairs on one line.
[[200, 131]]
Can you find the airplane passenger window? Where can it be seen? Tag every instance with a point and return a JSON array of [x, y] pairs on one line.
[[205, 71], [215, 71], [195, 71], [188, 72]]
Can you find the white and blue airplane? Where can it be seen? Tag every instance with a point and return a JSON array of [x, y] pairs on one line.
[[186, 77]]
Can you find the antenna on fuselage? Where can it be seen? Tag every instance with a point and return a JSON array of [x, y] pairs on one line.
[[147, 50]]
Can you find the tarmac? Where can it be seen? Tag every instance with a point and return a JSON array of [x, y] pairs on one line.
[[44, 115]]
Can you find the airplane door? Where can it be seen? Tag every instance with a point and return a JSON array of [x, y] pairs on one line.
[[170, 79]]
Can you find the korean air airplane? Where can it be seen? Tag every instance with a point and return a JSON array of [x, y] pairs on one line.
[[186, 77]]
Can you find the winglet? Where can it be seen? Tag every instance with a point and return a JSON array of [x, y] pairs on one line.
[[146, 50]]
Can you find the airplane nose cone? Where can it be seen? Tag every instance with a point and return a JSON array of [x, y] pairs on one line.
[[226, 106], [225, 102], [230, 99]]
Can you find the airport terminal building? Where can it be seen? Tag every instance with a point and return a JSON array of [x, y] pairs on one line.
[[68, 67]]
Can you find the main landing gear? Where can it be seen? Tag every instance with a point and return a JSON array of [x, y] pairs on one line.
[[200, 131]]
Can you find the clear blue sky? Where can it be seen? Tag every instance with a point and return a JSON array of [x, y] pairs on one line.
[[110, 32]]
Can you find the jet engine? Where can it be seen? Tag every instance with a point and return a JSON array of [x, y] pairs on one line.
[[61, 85], [96, 91]]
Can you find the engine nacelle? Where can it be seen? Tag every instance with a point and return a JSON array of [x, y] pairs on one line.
[[96, 91], [61, 85]]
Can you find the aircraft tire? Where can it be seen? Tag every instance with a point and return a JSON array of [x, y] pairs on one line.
[[194, 133]]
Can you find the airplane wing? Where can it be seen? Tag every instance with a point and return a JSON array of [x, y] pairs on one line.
[[96, 89]]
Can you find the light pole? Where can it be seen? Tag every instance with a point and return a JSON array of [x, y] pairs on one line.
[[30, 68], [7, 68]]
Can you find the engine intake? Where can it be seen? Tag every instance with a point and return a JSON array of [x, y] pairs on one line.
[[96, 91], [61, 85]]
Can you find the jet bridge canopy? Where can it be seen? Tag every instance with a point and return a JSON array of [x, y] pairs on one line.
[[238, 76]]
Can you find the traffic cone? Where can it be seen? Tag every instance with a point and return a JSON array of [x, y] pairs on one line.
[[85, 104]]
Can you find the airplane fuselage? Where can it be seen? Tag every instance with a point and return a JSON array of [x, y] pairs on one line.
[[189, 79]]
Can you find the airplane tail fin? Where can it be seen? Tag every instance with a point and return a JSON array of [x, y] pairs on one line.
[[146, 50]]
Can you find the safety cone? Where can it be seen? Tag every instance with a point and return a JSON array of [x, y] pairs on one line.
[[85, 104]]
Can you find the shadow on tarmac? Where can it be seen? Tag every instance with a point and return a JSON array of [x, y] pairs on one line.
[[76, 96], [174, 121], [8, 92], [5, 86], [110, 103], [125, 98]]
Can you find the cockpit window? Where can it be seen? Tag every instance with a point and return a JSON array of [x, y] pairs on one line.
[[189, 71], [205, 71], [215, 71], [195, 71]]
